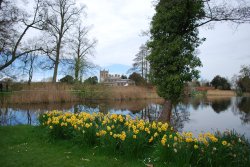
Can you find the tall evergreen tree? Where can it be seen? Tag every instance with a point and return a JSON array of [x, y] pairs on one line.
[[174, 37]]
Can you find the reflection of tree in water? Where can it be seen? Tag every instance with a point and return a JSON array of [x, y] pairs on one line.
[[245, 117], [4, 116], [9, 116], [150, 112], [179, 116], [244, 108], [241, 108], [29, 117], [244, 105], [89, 107], [194, 102], [220, 105]]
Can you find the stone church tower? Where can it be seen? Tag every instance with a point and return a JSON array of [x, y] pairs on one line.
[[103, 75]]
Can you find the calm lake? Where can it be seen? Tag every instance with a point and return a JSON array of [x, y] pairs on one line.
[[195, 115]]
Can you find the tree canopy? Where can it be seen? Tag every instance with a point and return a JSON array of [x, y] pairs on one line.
[[220, 83], [67, 79], [139, 80], [91, 80], [243, 81], [174, 37]]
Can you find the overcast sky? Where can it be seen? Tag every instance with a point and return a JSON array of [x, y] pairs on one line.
[[117, 26]]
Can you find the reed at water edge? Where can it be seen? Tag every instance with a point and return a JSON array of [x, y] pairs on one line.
[[62, 93]]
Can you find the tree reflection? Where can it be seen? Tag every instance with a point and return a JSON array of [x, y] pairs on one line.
[[244, 108], [244, 105], [180, 115], [220, 105], [29, 117], [3, 115], [150, 112], [9, 116], [195, 102], [6, 116], [177, 117]]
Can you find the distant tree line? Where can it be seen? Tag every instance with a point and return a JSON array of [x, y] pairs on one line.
[[240, 82]]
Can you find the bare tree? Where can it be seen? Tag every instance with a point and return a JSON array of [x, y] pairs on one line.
[[61, 16], [11, 39], [81, 47], [30, 64], [236, 11], [141, 64], [8, 17]]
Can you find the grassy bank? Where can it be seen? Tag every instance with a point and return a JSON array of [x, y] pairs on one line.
[[59, 145], [27, 146], [60, 93]]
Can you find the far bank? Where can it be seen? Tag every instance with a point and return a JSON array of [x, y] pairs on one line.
[[37, 93], [60, 93]]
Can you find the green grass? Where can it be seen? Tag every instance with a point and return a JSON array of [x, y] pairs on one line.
[[32, 146]]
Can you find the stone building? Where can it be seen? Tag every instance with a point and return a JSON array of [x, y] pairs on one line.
[[114, 80]]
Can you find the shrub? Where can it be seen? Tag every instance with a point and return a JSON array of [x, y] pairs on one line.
[[67, 79], [220, 83]]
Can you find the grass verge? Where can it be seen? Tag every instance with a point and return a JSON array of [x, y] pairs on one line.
[[31, 146]]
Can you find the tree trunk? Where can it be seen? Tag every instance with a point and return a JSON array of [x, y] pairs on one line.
[[57, 60], [31, 70], [55, 69], [77, 69], [165, 115]]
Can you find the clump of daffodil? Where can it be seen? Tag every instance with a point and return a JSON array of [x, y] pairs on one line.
[[117, 130]]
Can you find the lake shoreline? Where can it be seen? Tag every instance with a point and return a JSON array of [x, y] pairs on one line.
[[47, 93]]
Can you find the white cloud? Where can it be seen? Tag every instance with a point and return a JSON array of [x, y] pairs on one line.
[[117, 26], [224, 50]]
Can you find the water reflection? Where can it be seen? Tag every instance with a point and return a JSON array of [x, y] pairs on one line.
[[190, 115], [9, 116], [220, 105], [180, 115], [243, 106]]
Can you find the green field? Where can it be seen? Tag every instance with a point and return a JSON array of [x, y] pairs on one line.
[[31, 146]]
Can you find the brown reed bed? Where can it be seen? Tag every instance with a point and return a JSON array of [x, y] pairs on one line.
[[222, 93], [132, 92], [62, 93]]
